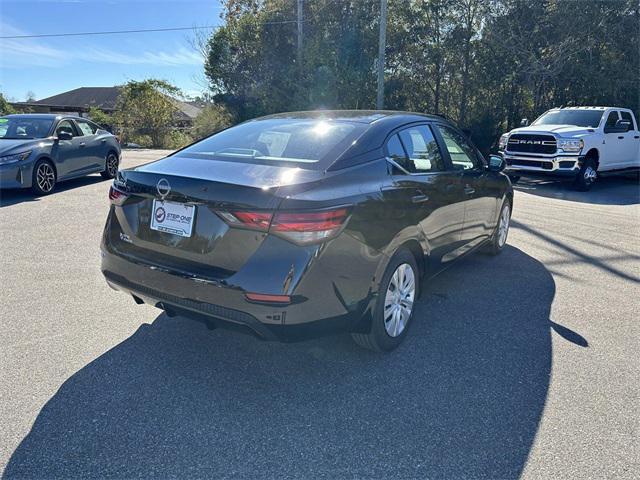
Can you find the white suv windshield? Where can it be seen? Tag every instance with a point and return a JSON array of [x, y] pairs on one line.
[[579, 118]]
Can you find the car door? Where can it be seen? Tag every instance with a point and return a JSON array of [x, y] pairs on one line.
[[631, 141], [67, 153], [423, 191], [91, 145], [613, 155], [480, 187]]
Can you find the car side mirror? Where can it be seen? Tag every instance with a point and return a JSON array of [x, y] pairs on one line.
[[524, 122], [496, 163], [621, 126], [64, 136]]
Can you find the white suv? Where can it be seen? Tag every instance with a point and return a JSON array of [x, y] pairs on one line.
[[577, 142]]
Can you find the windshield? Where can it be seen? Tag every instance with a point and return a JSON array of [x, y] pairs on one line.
[[19, 128], [304, 143], [579, 118]]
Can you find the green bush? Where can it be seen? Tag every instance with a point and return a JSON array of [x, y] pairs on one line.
[[176, 139], [142, 140], [212, 119]]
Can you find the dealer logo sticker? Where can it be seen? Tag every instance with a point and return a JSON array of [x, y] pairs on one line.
[[160, 215]]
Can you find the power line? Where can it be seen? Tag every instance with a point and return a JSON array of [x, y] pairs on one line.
[[116, 32]]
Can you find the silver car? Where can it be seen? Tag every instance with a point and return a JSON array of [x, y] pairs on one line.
[[39, 150]]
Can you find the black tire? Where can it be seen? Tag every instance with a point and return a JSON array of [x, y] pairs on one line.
[[497, 242], [514, 179], [111, 164], [378, 339], [43, 180], [587, 175]]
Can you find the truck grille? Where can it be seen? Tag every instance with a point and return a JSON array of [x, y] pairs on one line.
[[530, 163], [531, 143]]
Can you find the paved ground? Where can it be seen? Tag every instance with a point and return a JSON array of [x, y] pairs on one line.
[[525, 364]]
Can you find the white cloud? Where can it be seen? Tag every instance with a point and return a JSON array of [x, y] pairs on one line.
[[33, 52]]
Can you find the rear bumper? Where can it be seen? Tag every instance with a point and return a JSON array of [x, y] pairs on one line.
[[332, 295]]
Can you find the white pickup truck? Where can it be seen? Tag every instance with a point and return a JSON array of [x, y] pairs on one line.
[[576, 142]]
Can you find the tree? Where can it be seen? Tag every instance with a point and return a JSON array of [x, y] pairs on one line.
[[147, 107], [213, 118], [5, 106], [30, 96], [484, 63], [101, 118]]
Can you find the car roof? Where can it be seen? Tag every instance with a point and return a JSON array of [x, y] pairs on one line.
[[49, 116], [358, 116]]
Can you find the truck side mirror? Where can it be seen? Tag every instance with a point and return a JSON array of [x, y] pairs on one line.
[[623, 125], [524, 122]]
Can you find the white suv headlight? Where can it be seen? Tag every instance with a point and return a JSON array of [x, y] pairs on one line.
[[502, 143], [570, 145], [14, 157]]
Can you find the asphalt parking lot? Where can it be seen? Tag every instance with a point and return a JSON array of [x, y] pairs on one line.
[[525, 364]]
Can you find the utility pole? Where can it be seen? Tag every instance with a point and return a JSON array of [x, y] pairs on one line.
[[381, 48], [299, 58]]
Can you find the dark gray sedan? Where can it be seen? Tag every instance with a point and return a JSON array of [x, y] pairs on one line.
[[39, 150]]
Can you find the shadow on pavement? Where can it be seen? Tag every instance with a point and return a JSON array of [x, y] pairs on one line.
[[14, 196], [608, 190], [462, 397]]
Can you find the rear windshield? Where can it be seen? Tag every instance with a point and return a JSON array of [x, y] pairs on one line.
[[308, 143], [23, 128], [579, 118]]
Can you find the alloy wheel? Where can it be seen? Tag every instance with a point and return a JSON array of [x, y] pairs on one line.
[[590, 175], [398, 302], [503, 227], [45, 177], [112, 165]]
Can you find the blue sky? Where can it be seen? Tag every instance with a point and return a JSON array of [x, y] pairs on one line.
[[47, 66]]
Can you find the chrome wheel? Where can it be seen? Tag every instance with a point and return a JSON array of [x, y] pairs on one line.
[[45, 177], [399, 298], [112, 165], [503, 226], [590, 175]]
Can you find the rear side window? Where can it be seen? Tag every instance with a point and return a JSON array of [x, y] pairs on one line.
[[305, 143], [415, 150], [86, 128], [626, 116]]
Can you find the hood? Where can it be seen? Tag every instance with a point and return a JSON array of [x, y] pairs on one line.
[[9, 146], [232, 172], [557, 130]]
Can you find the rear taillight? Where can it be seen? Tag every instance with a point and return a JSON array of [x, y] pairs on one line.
[[116, 196], [299, 227], [253, 220], [309, 227]]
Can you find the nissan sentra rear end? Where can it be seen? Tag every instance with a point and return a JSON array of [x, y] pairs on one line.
[[226, 232]]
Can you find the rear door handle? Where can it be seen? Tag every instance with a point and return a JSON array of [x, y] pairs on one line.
[[637, 136], [620, 138], [469, 190], [103, 140], [420, 198], [82, 144]]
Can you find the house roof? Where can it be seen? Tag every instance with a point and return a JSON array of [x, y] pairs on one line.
[[101, 97], [105, 98]]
